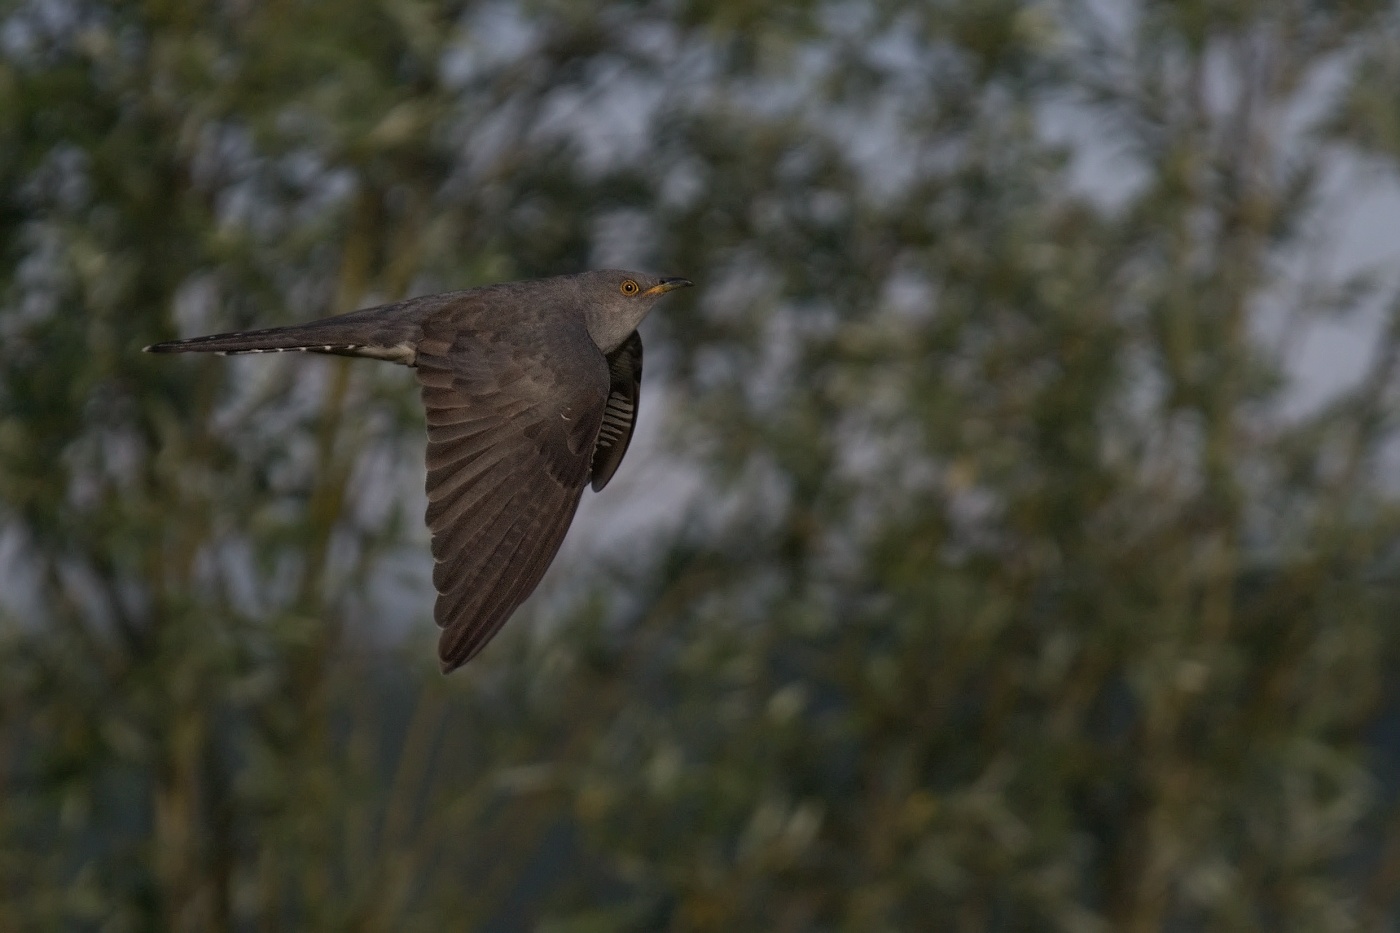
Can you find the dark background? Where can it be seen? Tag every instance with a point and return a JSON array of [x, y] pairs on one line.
[[1011, 543]]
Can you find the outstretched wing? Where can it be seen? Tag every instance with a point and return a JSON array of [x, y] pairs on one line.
[[513, 420], [625, 378]]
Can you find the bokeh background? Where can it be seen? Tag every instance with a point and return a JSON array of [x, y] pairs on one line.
[[1012, 541]]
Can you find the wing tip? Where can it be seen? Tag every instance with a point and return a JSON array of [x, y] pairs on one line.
[[451, 654]]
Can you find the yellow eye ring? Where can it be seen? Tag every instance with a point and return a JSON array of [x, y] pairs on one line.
[[630, 287]]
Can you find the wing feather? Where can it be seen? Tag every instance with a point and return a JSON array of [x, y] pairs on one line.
[[476, 530], [513, 425], [528, 568], [620, 412]]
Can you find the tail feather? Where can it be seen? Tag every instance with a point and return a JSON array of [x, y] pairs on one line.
[[371, 333], [267, 340]]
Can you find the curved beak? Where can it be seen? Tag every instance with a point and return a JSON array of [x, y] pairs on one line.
[[668, 285]]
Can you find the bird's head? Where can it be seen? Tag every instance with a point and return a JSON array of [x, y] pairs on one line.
[[616, 301]]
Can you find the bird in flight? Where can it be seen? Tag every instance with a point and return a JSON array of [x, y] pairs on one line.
[[531, 393]]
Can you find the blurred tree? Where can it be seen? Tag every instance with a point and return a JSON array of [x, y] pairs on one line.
[[1014, 594]]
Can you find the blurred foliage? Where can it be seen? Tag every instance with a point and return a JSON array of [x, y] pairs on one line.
[[1018, 592]]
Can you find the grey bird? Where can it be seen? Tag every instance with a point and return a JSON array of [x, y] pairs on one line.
[[531, 392]]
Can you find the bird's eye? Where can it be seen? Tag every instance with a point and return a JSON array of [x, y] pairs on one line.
[[630, 287]]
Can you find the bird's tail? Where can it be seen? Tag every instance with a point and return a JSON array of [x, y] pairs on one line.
[[306, 337], [359, 333]]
